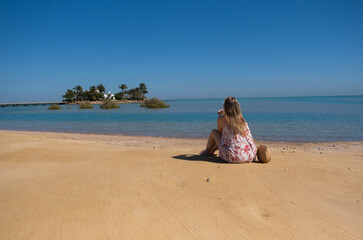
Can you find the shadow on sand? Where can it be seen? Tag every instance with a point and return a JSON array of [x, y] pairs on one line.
[[199, 158]]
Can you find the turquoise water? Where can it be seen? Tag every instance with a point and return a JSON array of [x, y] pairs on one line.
[[293, 119]]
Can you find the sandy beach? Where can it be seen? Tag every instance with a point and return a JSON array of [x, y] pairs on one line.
[[84, 186]]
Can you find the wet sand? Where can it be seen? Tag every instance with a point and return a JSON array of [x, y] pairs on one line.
[[84, 186]]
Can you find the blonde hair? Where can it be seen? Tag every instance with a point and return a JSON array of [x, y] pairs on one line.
[[233, 116]]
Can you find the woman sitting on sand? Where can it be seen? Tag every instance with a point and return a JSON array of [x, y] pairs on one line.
[[232, 136]]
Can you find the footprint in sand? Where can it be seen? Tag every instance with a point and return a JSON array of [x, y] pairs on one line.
[[265, 213]]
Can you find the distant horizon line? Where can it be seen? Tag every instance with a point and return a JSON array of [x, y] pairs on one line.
[[355, 95], [211, 98]]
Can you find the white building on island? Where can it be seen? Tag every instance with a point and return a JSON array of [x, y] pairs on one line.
[[110, 96]]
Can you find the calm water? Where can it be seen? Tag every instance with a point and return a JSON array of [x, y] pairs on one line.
[[297, 119]]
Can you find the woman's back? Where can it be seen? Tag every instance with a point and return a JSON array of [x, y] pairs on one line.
[[238, 148], [232, 137]]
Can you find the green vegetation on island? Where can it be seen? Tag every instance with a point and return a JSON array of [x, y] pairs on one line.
[[98, 93], [85, 105], [109, 104], [54, 107], [154, 103]]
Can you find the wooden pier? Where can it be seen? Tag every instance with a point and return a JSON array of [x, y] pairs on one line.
[[29, 104]]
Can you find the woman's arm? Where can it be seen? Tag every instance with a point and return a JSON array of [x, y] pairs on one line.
[[221, 123], [220, 112]]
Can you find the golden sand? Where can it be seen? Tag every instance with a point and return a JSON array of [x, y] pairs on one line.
[[83, 186]]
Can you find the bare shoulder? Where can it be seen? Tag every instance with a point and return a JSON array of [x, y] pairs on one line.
[[222, 121]]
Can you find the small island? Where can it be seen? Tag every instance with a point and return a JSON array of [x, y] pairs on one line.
[[108, 104], [95, 94], [85, 105], [54, 107], [154, 103]]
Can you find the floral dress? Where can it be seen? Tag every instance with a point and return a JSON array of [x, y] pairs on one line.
[[237, 148]]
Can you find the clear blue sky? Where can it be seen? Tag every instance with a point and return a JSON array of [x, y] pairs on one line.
[[181, 49]]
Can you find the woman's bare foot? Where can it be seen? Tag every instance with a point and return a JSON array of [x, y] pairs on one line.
[[203, 153]]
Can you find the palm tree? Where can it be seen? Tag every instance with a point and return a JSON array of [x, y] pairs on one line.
[[69, 95], [131, 93], [143, 89], [93, 93], [123, 88], [79, 92], [101, 88], [86, 95], [137, 93]]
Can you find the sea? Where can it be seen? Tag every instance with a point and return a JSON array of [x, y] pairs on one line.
[[281, 119]]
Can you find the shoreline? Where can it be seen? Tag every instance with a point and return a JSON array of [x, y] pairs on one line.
[[175, 138], [196, 144]]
